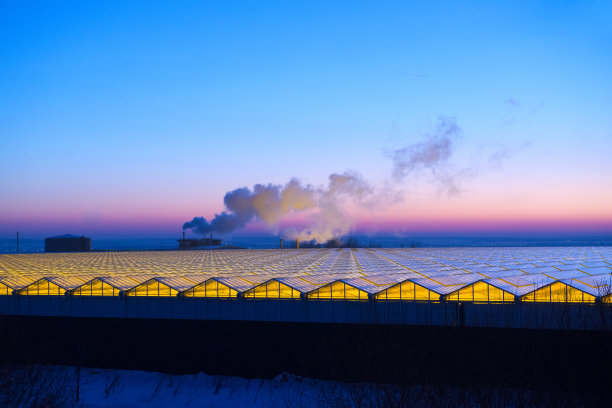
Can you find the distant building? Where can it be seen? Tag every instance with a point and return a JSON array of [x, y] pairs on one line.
[[68, 243], [198, 243]]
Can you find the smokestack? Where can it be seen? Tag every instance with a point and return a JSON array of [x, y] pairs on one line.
[[183, 235], [297, 243], [281, 243], [17, 248]]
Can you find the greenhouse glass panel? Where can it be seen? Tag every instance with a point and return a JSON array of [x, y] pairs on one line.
[[539, 295], [338, 291], [261, 291], [481, 292], [96, 287], [42, 287], [323, 293], [394, 292], [499, 296], [575, 296], [559, 292], [287, 292], [421, 293], [227, 273], [152, 288], [408, 290], [272, 290], [213, 289]]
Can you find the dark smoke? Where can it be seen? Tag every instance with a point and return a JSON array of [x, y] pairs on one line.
[[239, 203]]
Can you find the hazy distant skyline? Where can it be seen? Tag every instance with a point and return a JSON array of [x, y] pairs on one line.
[[130, 119]]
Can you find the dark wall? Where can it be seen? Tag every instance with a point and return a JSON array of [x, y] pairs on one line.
[[196, 243], [538, 359], [77, 244]]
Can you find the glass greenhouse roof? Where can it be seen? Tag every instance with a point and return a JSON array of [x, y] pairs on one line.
[[431, 274]]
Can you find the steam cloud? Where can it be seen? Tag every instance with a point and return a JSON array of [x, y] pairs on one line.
[[326, 210], [325, 213], [433, 154]]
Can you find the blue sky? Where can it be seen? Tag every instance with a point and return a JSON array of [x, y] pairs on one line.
[[117, 117]]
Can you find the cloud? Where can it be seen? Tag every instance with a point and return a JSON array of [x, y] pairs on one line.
[[432, 155]]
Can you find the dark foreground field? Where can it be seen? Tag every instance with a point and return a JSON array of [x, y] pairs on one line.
[[570, 362]]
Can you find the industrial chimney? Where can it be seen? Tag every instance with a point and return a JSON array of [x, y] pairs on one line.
[[281, 243], [297, 243]]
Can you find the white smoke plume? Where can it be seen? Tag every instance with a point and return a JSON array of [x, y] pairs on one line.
[[327, 211], [433, 154]]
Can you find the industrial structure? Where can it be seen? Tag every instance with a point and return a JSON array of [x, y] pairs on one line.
[[198, 243], [66, 243]]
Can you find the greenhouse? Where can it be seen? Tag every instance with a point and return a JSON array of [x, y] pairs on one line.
[[408, 290], [559, 292], [273, 289], [475, 275], [338, 290], [211, 288], [96, 287], [481, 292]]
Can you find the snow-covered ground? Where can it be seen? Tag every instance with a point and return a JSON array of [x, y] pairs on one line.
[[60, 386], [127, 388]]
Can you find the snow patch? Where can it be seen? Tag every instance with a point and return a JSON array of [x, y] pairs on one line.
[[130, 388]]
